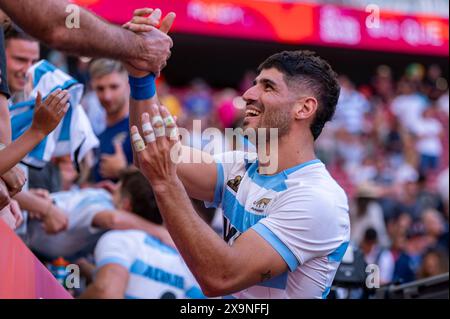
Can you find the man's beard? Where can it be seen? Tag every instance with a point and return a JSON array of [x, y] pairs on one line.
[[269, 119]]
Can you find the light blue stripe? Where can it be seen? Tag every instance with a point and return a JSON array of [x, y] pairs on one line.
[[326, 292], [24, 104], [229, 297], [65, 129], [113, 260], [20, 123], [130, 297], [156, 243], [278, 282], [338, 254], [236, 213], [39, 150], [218, 191], [41, 70], [300, 166], [275, 182], [278, 245], [195, 293]]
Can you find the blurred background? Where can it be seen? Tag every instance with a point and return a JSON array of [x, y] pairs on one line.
[[388, 144]]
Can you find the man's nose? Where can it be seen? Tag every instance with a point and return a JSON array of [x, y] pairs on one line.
[[250, 95]]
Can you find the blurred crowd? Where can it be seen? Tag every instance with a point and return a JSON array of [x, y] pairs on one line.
[[387, 147]]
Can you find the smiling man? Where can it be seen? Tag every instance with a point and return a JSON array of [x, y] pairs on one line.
[[22, 51], [285, 232]]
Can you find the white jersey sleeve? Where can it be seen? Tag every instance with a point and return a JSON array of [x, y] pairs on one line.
[[114, 248], [295, 227]]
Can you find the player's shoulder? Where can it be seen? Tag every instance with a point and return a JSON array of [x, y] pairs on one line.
[[122, 236], [314, 185], [314, 178]]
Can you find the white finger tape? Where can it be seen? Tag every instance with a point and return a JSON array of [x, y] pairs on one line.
[[136, 137], [150, 138], [160, 131], [138, 143], [139, 146], [157, 121], [147, 127], [169, 121], [172, 133]]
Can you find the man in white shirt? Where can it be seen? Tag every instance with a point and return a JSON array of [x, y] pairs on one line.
[[286, 231]]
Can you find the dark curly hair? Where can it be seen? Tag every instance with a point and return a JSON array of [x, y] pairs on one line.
[[312, 73], [143, 203]]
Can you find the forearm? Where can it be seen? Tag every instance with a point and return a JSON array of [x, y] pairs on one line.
[[126, 220], [14, 153], [34, 204], [209, 258], [95, 37], [5, 124], [137, 108]]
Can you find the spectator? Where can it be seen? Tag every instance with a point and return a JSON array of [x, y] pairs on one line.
[[410, 259], [351, 108], [408, 105], [22, 51], [368, 214], [428, 131], [374, 253], [90, 212], [135, 265], [110, 82], [436, 229], [435, 262]]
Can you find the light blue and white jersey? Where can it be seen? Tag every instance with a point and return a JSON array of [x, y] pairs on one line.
[[302, 212], [79, 239], [156, 271]]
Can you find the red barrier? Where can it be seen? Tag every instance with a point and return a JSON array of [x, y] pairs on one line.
[[296, 23], [22, 276]]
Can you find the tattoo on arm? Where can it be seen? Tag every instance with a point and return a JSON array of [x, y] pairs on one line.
[[266, 276]]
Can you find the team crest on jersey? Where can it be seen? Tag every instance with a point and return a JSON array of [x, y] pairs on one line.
[[234, 183], [261, 205]]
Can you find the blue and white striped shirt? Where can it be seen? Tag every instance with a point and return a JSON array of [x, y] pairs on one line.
[[302, 212]]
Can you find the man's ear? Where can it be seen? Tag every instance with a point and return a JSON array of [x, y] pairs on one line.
[[305, 108]]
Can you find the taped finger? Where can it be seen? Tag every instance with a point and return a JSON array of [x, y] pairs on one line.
[[136, 139], [158, 126]]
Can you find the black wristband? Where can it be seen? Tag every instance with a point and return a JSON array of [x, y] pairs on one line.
[[3, 75]]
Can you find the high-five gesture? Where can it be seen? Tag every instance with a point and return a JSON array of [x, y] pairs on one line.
[[146, 20]]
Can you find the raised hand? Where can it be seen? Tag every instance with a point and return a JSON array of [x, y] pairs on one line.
[[48, 114], [145, 22], [159, 150], [112, 164]]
